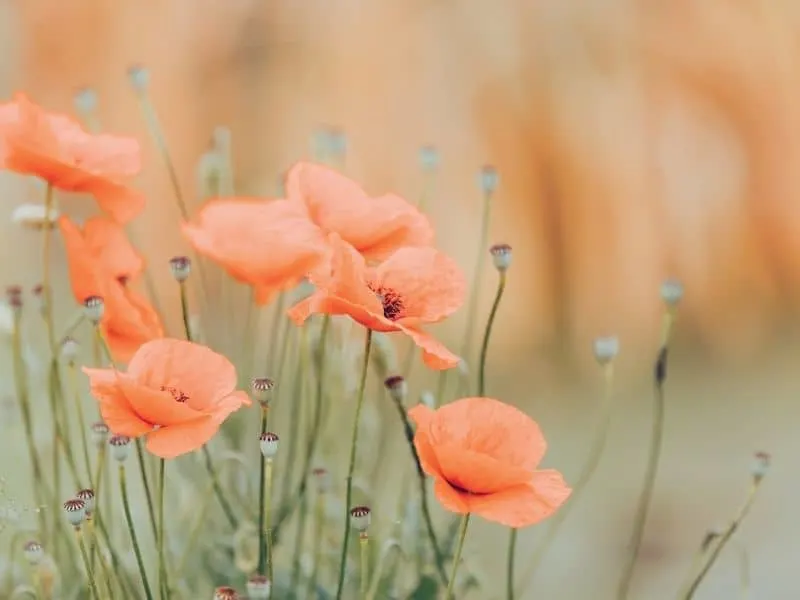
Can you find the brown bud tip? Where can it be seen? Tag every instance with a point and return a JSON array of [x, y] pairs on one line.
[[322, 478], [501, 256], [262, 389], [38, 289], [76, 511], [226, 593], [269, 444], [33, 552], [87, 495], [93, 308], [181, 267], [258, 587], [360, 517], [761, 464], [397, 387], [13, 290], [99, 433]]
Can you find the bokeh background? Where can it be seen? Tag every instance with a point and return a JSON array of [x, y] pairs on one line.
[[635, 140]]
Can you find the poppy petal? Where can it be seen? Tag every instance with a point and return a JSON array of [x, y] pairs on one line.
[[434, 353], [230, 404], [523, 505], [173, 440], [154, 405], [107, 240], [475, 472], [451, 498], [118, 201], [114, 406]]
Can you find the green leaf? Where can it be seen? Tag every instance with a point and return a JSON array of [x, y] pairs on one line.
[[427, 589]]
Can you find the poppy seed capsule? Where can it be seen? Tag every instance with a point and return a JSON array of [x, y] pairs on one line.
[[258, 587], [397, 387], [93, 308], [85, 100], [87, 495], [69, 350], [360, 518], [761, 463], [262, 389], [323, 479], [226, 593], [76, 511], [120, 447], [269, 444], [671, 292], [501, 256], [428, 158], [33, 552], [99, 433], [489, 179], [181, 267], [139, 77], [605, 349]]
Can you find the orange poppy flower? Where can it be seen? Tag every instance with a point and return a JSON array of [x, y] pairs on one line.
[[375, 227], [413, 287], [101, 263], [268, 244], [483, 456], [177, 393], [57, 149]]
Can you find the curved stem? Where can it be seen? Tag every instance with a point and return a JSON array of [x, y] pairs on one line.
[[364, 543], [501, 286], [87, 564], [462, 535], [127, 509], [352, 464]]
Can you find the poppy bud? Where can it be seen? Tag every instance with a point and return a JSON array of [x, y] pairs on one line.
[[501, 256], [489, 179], [671, 292], [33, 552], [428, 399], [181, 267], [69, 350], [323, 479], [606, 349], [429, 158], [34, 216], [269, 444], [226, 593], [85, 100], [360, 518], [87, 495], [397, 387], [93, 308], [760, 466], [139, 77], [258, 587], [99, 433], [262, 390], [76, 511], [120, 447]]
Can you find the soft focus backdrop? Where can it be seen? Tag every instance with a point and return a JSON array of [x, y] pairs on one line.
[[635, 140]]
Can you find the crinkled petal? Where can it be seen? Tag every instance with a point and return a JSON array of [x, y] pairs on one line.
[[171, 442], [115, 409]]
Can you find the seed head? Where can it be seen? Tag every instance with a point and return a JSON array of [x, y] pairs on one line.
[[323, 479], [69, 350], [761, 464], [120, 447], [258, 587], [181, 267], [429, 158], [671, 292], [99, 433], [93, 308], [76, 511], [269, 444], [489, 179], [501, 256], [85, 100], [226, 593], [606, 349], [139, 77], [34, 216], [360, 517], [262, 389], [87, 495], [33, 552], [397, 387]]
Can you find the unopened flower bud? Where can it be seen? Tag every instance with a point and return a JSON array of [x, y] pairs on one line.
[[269, 444], [34, 216], [262, 390], [85, 100], [120, 447], [76, 511], [226, 593], [397, 387], [605, 349], [258, 587], [489, 179], [181, 267], [139, 77], [428, 399], [323, 479], [69, 350], [33, 552], [87, 495], [94, 307], [671, 292], [501, 256], [360, 517], [429, 158], [99, 433], [760, 466]]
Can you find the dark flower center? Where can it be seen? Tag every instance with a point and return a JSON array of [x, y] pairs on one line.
[[391, 300], [177, 394], [123, 280]]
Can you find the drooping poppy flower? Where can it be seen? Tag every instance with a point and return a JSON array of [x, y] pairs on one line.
[[177, 393], [375, 227], [413, 287], [57, 149], [483, 456], [268, 244], [102, 263]]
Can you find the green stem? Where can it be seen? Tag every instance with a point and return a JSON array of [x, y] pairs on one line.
[[185, 310], [501, 286], [86, 564], [364, 543], [319, 519], [268, 520], [512, 546], [146, 486], [299, 539], [352, 464], [162, 565], [73, 385], [127, 508], [462, 535], [262, 492]]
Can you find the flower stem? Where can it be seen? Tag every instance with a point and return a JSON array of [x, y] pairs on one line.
[[364, 543], [501, 286], [86, 564], [146, 486], [268, 518], [185, 310], [319, 519], [262, 503], [512, 546], [129, 518], [462, 535], [73, 385], [352, 464], [162, 565]]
